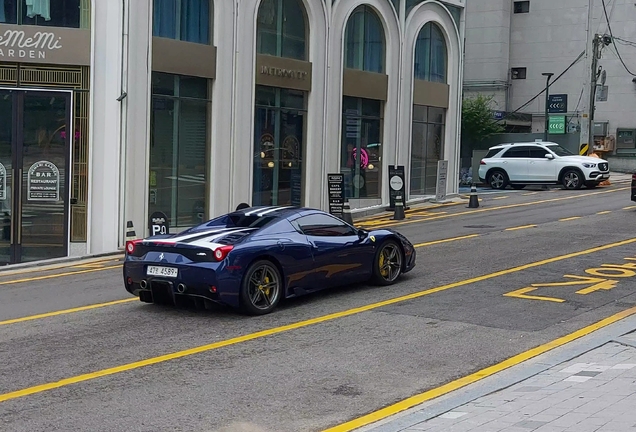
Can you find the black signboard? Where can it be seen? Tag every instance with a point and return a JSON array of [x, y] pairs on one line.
[[158, 224], [296, 187], [43, 182], [336, 194], [558, 103], [397, 185]]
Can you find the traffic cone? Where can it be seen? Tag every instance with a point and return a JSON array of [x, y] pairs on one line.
[[398, 213], [130, 231], [346, 213], [474, 201]]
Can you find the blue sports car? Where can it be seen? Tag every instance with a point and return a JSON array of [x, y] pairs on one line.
[[251, 258]]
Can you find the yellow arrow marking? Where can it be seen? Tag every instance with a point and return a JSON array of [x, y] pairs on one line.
[[605, 285], [521, 293], [582, 280]]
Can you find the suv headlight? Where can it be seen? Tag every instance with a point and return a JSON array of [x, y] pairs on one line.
[[589, 165]]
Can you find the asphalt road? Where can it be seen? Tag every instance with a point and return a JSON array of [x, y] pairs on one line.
[[485, 284]]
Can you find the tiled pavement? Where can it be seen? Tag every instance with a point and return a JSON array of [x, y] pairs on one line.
[[587, 387]]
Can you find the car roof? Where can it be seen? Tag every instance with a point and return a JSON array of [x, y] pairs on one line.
[[282, 212], [505, 145]]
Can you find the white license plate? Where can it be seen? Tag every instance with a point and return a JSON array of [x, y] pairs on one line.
[[162, 271]]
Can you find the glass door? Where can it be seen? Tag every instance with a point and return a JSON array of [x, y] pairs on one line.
[[34, 186]]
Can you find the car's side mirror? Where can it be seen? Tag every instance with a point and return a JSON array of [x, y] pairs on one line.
[[362, 234], [549, 156]]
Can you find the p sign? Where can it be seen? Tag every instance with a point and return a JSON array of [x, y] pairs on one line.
[[159, 224]]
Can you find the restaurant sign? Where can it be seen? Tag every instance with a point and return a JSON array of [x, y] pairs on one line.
[[32, 44]]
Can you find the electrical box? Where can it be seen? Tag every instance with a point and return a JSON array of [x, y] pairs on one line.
[[625, 138], [600, 128]]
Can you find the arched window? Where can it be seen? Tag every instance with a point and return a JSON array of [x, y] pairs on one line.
[[186, 20], [281, 29], [430, 54], [364, 41]]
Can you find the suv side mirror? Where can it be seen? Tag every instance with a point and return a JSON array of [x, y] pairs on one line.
[[549, 156]]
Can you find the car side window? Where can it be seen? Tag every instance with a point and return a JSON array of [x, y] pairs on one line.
[[538, 153], [517, 152], [321, 225]]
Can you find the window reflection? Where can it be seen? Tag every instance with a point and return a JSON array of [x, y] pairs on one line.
[[430, 54], [278, 146], [364, 41], [50, 13], [177, 180], [186, 20], [280, 29], [427, 147], [361, 149]]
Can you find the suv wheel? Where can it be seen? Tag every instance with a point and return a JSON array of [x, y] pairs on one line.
[[572, 179], [498, 179]]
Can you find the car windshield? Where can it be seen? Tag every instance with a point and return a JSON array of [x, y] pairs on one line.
[[560, 151]]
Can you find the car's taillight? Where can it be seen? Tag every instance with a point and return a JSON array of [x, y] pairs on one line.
[[633, 176], [482, 162], [130, 246], [221, 253]]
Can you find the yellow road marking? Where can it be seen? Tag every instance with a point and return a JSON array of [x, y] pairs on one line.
[[67, 311], [570, 219], [52, 267], [504, 207], [36, 278], [629, 207], [501, 197], [301, 324], [604, 212], [530, 193], [445, 240], [419, 210], [477, 376], [521, 227], [522, 294]]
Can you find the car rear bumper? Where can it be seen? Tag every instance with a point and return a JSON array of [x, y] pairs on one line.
[[192, 281]]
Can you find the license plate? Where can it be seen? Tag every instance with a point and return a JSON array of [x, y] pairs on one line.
[[162, 271]]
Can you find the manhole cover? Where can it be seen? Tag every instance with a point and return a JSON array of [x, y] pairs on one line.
[[479, 226]]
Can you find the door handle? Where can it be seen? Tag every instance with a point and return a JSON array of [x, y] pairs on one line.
[[14, 181], [19, 207]]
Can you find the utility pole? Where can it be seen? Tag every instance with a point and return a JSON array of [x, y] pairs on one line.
[[596, 43], [547, 101]]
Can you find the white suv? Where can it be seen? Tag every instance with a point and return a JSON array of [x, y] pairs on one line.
[[540, 162]]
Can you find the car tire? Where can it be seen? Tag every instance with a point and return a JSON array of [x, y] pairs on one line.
[[498, 179], [572, 179], [518, 186], [388, 263], [261, 288]]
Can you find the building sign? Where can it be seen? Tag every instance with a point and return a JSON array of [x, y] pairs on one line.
[[556, 124], [442, 174], [43, 182], [284, 73], [397, 185], [33, 44], [558, 103], [3, 183], [335, 183]]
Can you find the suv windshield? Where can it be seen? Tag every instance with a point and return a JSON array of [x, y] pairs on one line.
[[560, 151]]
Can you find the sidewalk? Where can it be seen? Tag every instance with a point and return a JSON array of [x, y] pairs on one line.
[[587, 385]]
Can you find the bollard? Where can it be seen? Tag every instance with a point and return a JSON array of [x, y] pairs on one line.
[[346, 213], [474, 201], [130, 231], [398, 213]]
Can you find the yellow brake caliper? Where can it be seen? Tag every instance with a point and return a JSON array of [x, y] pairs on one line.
[[384, 272], [266, 290]]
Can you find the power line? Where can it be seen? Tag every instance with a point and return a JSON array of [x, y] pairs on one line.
[[543, 91], [609, 27]]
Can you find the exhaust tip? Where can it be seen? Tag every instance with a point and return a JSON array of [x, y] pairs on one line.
[[143, 284], [181, 288]]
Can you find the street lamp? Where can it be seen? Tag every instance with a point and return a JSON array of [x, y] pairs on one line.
[[547, 101]]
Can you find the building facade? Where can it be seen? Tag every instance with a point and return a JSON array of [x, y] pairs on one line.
[[511, 44], [115, 110]]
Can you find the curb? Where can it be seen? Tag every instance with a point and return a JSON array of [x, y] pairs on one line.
[[505, 379], [58, 263]]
